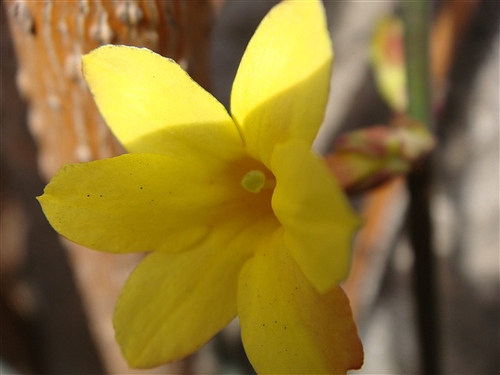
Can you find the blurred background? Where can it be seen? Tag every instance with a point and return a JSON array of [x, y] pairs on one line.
[[57, 299]]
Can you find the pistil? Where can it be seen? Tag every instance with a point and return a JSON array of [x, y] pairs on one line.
[[255, 180]]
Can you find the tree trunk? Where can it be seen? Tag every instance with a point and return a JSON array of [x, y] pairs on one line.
[[49, 39]]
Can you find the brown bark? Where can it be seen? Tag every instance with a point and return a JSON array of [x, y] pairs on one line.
[[49, 39]]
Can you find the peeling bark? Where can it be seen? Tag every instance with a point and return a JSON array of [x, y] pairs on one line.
[[49, 39]]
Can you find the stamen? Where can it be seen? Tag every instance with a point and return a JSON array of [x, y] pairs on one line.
[[255, 180]]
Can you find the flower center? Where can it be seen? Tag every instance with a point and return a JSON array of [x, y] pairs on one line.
[[255, 180]]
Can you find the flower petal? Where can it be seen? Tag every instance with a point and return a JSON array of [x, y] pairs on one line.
[[318, 220], [147, 100], [288, 327], [281, 88], [144, 202], [173, 303]]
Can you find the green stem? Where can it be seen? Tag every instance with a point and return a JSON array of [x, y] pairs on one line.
[[416, 15]]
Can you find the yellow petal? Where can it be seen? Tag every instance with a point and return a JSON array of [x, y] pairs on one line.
[[173, 303], [287, 327], [281, 88], [143, 202], [318, 220], [148, 100]]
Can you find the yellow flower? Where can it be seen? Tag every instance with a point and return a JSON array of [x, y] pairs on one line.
[[239, 216]]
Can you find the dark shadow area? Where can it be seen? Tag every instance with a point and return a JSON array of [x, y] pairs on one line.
[[470, 317], [53, 338], [368, 109], [230, 37]]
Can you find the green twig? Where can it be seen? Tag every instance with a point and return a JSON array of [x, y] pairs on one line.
[[416, 15]]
